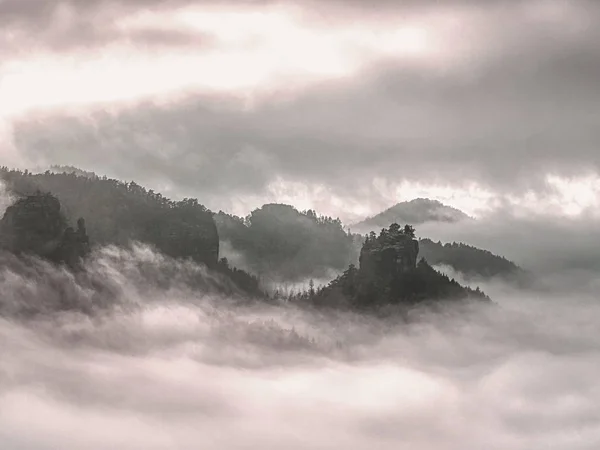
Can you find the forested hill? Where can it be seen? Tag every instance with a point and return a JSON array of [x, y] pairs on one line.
[[279, 242], [118, 212], [276, 242], [389, 275], [472, 262], [414, 212], [282, 243]]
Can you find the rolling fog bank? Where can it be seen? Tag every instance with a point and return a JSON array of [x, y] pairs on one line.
[[139, 360]]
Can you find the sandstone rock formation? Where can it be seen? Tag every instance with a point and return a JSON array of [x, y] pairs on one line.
[[394, 252], [35, 225], [390, 275]]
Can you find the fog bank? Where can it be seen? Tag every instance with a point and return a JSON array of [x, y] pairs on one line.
[[150, 363]]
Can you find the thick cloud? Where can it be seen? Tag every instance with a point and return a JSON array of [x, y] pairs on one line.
[[506, 129], [164, 367], [60, 26], [509, 96]]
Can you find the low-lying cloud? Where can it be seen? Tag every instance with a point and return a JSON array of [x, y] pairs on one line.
[[167, 365]]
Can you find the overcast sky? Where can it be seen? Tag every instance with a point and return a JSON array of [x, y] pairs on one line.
[[343, 106]]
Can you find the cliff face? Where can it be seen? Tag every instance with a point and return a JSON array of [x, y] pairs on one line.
[[74, 246], [35, 225], [390, 255]]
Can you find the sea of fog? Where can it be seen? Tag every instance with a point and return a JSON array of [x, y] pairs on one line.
[[129, 355]]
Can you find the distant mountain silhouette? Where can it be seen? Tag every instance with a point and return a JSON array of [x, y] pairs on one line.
[[471, 262], [414, 212], [279, 242]]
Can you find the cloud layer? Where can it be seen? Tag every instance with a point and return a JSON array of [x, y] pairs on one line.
[[169, 368], [250, 101]]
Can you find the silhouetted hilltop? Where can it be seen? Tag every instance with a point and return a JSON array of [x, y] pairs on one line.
[[277, 242], [283, 243], [470, 261], [414, 212], [35, 225], [390, 275], [389, 255], [119, 213]]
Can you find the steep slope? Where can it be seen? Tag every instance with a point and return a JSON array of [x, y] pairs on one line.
[[414, 212]]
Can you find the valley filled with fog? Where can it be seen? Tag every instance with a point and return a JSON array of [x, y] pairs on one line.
[[141, 360]]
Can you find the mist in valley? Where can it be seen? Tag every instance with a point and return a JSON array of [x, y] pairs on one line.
[[154, 364]]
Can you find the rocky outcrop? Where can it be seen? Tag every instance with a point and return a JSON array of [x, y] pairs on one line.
[[74, 246], [390, 275], [394, 252], [35, 225]]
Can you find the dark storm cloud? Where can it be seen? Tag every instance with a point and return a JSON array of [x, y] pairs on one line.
[[63, 26], [523, 104], [524, 115]]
